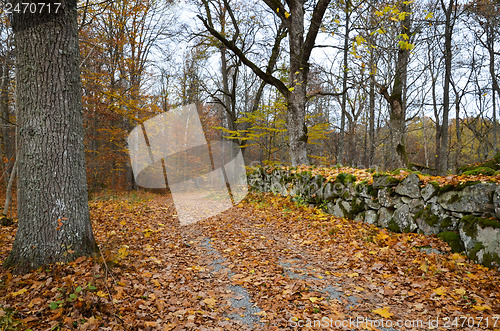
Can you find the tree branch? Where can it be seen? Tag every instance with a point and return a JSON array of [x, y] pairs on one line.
[[321, 93], [316, 19], [267, 77], [277, 7]]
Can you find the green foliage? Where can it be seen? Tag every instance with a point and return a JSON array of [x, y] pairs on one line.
[[480, 171], [8, 321], [470, 222], [491, 164], [459, 187], [299, 200], [68, 296], [344, 178]]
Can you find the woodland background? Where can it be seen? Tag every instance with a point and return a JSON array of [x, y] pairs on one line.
[[141, 58]]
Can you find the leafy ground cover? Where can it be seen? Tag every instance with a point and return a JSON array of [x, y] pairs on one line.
[[330, 174], [266, 264]]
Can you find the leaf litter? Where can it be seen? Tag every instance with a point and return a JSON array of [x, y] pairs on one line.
[[289, 262]]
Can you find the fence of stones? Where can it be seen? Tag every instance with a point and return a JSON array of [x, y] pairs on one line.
[[465, 215]]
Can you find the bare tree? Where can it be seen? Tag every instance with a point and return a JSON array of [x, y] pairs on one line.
[[292, 14]]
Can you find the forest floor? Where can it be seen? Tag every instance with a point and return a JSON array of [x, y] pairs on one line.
[[267, 264]]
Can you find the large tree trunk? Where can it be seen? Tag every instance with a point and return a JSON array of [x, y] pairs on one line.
[[296, 100], [490, 42], [54, 222], [397, 110]]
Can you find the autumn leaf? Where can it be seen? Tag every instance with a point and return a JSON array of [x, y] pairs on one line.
[[210, 301], [384, 312], [20, 292], [314, 299], [481, 308], [101, 294], [440, 290]]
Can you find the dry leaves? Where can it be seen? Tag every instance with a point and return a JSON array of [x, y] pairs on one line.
[[293, 261]]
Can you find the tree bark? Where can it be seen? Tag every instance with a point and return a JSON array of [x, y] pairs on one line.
[[54, 221], [397, 107], [340, 154], [448, 31], [490, 36], [8, 148]]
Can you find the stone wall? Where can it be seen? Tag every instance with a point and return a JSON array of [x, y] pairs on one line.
[[465, 215]]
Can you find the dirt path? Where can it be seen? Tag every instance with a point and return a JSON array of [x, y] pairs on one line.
[[265, 264]]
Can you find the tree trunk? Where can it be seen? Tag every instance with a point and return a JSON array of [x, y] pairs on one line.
[[397, 111], [443, 150], [54, 221], [340, 155], [8, 148], [296, 99], [371, 153], [490, 42], [8, 191]]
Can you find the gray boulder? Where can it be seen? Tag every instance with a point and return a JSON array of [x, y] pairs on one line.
[[496, 201], [384, 180], [471, 199], [481, 239], [328, 194], [384, 217], [410, 186], [429, 191], [372, 203], [402, 220], [341, 208], [371, 216], [386, 197]]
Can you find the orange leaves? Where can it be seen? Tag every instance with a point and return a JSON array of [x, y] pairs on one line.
[[384, 312], [285, 260]]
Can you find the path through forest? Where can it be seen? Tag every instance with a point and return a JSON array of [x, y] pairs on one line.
[[265, 264]]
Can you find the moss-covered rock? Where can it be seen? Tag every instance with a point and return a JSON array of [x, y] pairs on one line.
[[480, 171], [403, 219], [493, 163], [410, 186], [481, 238], [344, 178], [475, 198], [384, 180], [453, 240]]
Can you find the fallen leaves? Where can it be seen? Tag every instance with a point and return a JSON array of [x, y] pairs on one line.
[[161, 276], [384, 312]]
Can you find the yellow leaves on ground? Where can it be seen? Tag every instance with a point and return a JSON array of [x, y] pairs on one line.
[[315, 299], [122, 253], [20, 292], [101, 294], [440, 290], [384, 312], [481, 308], [211, 302]]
